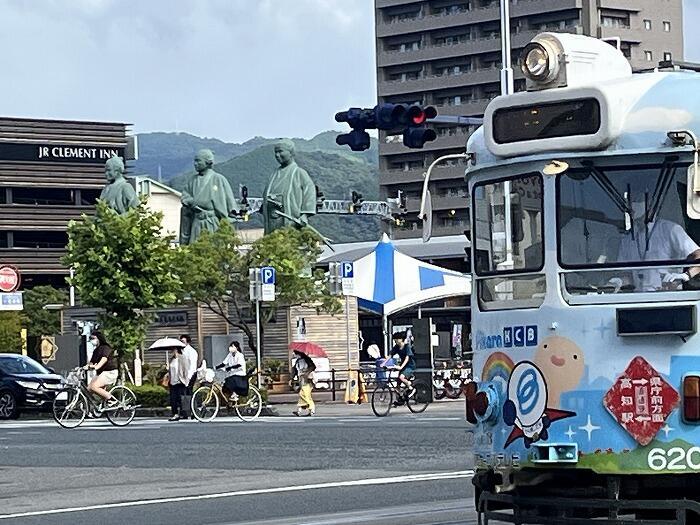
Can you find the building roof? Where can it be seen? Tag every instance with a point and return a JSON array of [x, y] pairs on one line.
[[447, 247]]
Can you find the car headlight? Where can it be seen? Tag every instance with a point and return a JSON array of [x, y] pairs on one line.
[[29, 385], [539, 62]]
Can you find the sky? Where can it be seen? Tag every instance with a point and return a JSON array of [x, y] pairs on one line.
[[230, 69]]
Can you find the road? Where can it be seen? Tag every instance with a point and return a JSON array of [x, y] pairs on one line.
[[345, 467]]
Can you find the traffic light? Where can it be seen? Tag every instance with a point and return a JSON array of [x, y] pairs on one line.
[[357, 199], [394, 118], [417, 137], [320, 197]]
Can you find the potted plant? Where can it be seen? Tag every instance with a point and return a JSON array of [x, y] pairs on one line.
[[275, 370]]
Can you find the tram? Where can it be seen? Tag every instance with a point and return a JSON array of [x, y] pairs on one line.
[[585, 203]]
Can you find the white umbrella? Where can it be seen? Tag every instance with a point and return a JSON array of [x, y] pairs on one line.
[[166, 343]]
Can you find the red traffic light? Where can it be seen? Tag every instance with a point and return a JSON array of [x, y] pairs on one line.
[[419, 115]]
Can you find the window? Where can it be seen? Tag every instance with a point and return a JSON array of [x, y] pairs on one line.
[[667, 27], [89, 197], [624, 224], [667, 56], [40, 239], [43, 196], [647, 25], [521, 248], [21, 365], [649, 56], [607, 21], [4, 243]]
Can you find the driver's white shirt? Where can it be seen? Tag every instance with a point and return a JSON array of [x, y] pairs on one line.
[[667, 241]]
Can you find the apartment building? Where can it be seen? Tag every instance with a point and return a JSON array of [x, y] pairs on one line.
[[446, 53]]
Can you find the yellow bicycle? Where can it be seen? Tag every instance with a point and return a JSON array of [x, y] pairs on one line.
[[209, 397]]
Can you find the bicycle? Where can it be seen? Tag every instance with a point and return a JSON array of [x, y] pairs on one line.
[[208, 398], [74, 403], [389, 395]]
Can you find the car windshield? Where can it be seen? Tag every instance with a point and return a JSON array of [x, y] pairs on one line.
[[20, 364], [626, 217]]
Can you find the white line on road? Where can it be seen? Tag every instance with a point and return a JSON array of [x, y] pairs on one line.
[[293, 488]]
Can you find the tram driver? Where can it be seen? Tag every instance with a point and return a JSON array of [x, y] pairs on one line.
[[664, 240]]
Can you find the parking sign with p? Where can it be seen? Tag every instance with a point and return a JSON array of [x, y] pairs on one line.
[[267, 275]]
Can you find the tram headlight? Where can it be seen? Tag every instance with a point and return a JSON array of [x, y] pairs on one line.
[[539, 62]]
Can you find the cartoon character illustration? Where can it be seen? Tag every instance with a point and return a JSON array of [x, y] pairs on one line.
[[526, 408], [562, 364]]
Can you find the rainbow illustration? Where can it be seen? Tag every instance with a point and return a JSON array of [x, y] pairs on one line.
[[497, 366]]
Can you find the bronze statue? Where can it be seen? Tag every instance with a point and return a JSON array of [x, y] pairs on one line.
[[290, 195], [206, 199], [118, 193]]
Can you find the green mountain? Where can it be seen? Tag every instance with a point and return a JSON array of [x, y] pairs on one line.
[[170, 154], [335, 174]]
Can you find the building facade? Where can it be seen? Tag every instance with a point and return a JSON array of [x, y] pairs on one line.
[[51, 172], [446, 53]]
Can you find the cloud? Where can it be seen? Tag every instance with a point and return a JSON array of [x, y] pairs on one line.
[[226, 68]]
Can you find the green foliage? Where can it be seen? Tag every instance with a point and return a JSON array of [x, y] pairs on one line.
[[152, 396], [124, 266], [10, 332], [152, 374], [217, 273], [38, 320], [273, 367]]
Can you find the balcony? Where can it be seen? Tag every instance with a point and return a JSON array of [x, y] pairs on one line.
[[435, 82], [31, 260], [440, 202], [458, 140], [470, 47], [475, 16], [45, 218], [391, 177], [391, 3], [620, 5], [437, 231], [626, 34]]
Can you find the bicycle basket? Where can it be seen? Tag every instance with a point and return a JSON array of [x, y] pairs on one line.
[[74, 378], [205, 375]]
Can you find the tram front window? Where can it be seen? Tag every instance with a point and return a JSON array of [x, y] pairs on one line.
[[624, 229], [508, 241]]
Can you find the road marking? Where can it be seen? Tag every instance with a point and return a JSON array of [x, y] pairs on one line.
[[252, 492]]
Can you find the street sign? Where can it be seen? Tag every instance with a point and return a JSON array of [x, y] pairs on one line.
[[268, 292], [641, 400], [11, 301], [347, 274], [267, 275], [9, 279]]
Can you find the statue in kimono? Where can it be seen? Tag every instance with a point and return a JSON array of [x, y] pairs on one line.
[[290, 196], [118, 193], [206, 199]]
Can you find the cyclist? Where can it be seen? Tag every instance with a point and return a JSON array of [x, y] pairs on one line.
[[407, 363], [234, 363], [105, 365]]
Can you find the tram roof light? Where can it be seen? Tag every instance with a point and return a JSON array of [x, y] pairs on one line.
[[554, 60]]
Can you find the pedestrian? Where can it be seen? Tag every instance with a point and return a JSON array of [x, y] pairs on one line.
[[234, 364], [303, 371], [177, 382], [191, 357]]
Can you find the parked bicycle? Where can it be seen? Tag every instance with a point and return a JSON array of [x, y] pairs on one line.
[[74, 403], [392, 393], [208, 398]]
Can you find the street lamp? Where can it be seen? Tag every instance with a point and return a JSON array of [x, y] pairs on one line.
[[56, 307]]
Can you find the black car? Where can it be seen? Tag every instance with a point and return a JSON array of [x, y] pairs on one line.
[[25, 384]]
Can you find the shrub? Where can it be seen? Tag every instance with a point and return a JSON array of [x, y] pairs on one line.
[[154, 396]]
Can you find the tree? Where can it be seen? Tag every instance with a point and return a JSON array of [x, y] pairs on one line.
[[38, 320], [215, 273], [124, 266], [11, 332]]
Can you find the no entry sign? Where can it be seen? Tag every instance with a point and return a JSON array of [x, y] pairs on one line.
[[9, 279], [641, 400]]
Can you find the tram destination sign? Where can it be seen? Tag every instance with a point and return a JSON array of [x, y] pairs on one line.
[[73, 153], [641, 400]]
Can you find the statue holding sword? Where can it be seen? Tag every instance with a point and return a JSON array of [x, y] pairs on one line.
[[206, 199]]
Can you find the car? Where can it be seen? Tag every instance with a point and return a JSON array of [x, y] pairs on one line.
[[25, 385]]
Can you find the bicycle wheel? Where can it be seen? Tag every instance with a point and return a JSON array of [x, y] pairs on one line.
[[419, 401], [124, 413], [382, 398], [70, 408], [249, 407], [205, 403]]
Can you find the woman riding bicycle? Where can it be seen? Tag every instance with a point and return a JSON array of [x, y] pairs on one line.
[[105, 365]]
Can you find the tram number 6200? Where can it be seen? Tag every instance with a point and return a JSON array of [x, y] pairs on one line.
[[675, 458]]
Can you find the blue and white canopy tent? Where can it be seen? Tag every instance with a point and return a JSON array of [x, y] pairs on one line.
[[387, 281]]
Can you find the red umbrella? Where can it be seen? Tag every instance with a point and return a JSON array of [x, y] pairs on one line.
[[310, 349]]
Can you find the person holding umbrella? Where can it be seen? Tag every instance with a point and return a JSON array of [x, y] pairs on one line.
[[303, 368]]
